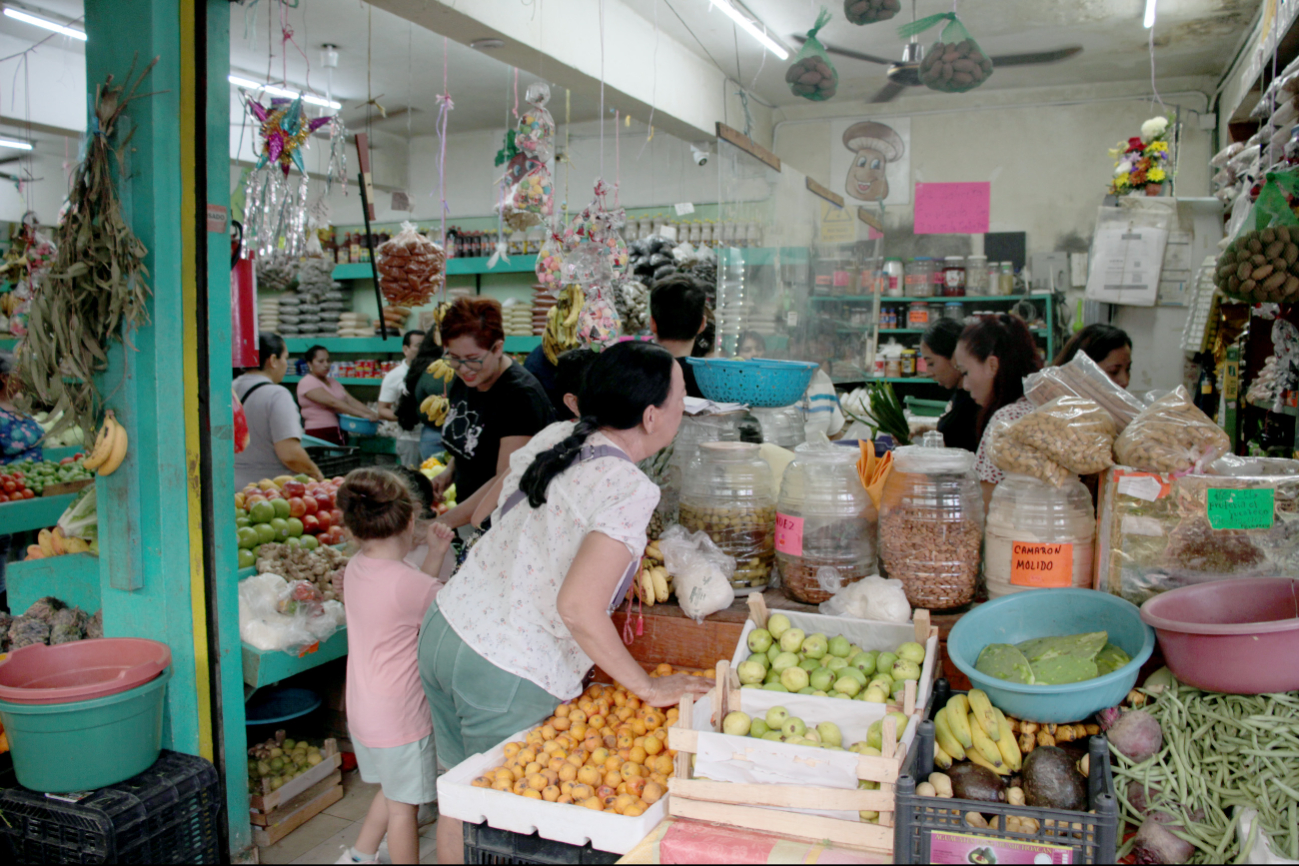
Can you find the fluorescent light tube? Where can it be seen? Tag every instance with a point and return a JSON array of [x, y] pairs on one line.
[[17, 145], [752, 29], [1150, 13], [239, 81], [19, 15]]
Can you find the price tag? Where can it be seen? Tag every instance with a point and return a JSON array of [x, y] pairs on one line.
[[789, 534], [791, 318], [1241, 509], [1144, 487], [684, 208], [1045, 566]]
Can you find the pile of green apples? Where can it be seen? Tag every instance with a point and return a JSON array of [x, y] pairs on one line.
[[778, 725], [785, 659]]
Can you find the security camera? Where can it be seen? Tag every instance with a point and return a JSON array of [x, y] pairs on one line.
[[699, 155]]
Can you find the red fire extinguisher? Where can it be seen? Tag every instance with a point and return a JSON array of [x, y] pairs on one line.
[[243, 306]]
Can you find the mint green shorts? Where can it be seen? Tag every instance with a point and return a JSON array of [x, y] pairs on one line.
[[475, 704]]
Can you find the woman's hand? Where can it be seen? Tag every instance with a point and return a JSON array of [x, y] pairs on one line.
[[440, 483], [667, 691]]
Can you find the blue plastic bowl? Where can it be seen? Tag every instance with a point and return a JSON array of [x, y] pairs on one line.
[[1047, 613], [759, 382], [280, 705], [359, 426]]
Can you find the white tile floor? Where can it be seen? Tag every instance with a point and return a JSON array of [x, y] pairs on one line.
[[322, 839]]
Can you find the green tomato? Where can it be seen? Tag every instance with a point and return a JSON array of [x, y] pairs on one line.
[[246, 558]]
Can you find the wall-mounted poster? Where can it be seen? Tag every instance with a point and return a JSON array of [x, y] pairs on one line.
[[870, 162]]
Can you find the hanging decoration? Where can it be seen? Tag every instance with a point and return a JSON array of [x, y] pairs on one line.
[[953, 64], [529, 197], [812, 75], [585, 258]]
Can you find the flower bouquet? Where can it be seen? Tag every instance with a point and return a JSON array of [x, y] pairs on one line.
[[1142, 162]]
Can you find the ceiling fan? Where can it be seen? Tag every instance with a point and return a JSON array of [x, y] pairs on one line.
[[906, 73]]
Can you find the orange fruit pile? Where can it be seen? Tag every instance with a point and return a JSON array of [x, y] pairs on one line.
[[605, 751]]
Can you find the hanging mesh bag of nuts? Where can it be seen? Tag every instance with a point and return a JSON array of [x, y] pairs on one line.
[[953, 64], [870, 11], [812, 75], [1262, 262]]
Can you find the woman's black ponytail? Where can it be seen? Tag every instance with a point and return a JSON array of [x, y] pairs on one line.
[[619, 386]]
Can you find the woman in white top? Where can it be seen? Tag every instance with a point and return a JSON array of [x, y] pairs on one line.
[[518, 627]]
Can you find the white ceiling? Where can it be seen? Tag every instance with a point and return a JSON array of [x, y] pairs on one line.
[[1192, 37]]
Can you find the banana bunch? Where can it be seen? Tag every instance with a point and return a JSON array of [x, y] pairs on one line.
[[110, 447], [442, 370], [561, 322], [435, 408], [971, 728], [52, 543], [439, 313], [655, 582]]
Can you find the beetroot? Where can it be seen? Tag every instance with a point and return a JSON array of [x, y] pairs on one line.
[[1154, 843], [1135, 734], [1137, 796]]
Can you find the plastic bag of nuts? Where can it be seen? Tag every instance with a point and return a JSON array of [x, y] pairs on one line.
[[1171, 435], [1074, 432], [953, 64], [812, 75], [1082, 377], [870, 11], [1261, 265], [1017, 459], [411, 267]]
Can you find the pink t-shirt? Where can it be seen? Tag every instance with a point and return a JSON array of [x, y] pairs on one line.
[[315, 416], [385, 603]]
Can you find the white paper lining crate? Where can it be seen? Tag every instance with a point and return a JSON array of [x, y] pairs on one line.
[[867, 634], [276, 814], [788, 809]]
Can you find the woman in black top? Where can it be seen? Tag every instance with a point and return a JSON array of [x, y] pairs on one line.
[[959, 424], [496, 405]]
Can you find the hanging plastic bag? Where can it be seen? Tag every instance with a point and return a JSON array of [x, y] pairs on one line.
[[529, 197], [701, 572], [953, 64], [1171, 436], [812, 75], [550, 263], [411, 268], [1262, 262], [536, 130], [870, 11], [1074, 432], [598, 322], [1083, 377], [275, 614]]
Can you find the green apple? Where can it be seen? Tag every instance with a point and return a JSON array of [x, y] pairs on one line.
[[751, 672], [791, 641], [815, 645], [806, 690], [809, 664], [839, 646], [760, 658], [774, 736], [775, 687], [777, 624], [794, 679], [830, 734], [876, 695], [776, 717], [281, 527], [758, 727], [293, 527], [783, 661], [835, 663], [265, 533], [241, 522], [246, 558], [821, 679], [736, 724], [905, 669], [912, 651], [793, 727], [884, 662], [759, 640], [241, 512], [293, 541], [847, 686]]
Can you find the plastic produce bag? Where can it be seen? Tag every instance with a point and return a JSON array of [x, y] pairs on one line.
[[1082, 377], [1018, 459], [872, 598], [598, 322], [275, 614], [1171, 436], [1074, 432], [1262, 262], [953, 64], [530, 196], [701, 572], [411, 267], [812, 75], [870, 11], [536, 130]]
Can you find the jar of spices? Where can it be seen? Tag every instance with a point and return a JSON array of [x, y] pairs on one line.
[[894, 277], [931, 524], [976, 275], [1007, 278], [729, 495], [954, 310], [918, 314], [954, 276], [908, 362], [919, 275], [1039, 536], [824, 520], [888, 318], [893, 366]]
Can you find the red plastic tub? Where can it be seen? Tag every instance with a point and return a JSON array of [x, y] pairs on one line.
[[81, 670], [1239, 635]]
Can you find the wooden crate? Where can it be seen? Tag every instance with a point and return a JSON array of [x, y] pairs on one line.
[[292, 814], [268, 801], [738, 804]]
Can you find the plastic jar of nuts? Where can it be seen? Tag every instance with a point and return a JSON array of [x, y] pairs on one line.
[[671, 465], [824, 519], [931, 524], [1039, 536], [728, 494]]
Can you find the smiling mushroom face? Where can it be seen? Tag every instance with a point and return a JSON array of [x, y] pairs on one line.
[[874, 145]]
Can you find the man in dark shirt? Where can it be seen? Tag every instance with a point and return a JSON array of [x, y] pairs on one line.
[[677, 318]]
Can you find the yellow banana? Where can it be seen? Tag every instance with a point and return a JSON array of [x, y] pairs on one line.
[[997, 767], [103, 445], [942, 760], [34, 551], [76, 545], [119, 449], [428, 401], [442, 370], [943, 737], [659, 577], [45, 539], [981, 709], [958, 711], [983, 744], [1006, 745], [647, 587]]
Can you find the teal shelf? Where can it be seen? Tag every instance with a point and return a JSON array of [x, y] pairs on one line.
[[816, 299], [348, 345], [964, 299], [521, 344], [755, 256], [60, 453], [455, 267], [920, 380], [7, 343], [355, 271], [264, 667], [72, 578], [39, 513], [922, 330], [359, 383]]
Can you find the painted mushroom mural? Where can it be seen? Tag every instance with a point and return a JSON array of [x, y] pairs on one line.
[[874, 146]]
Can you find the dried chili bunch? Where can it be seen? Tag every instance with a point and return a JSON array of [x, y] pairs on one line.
[[95, 291]]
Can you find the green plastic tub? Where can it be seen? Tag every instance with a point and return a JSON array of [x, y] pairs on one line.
[[84, 745]]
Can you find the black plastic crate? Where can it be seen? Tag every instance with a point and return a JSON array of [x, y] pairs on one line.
[[167, 814], [1092, 835], [337, 460], [487, 845]]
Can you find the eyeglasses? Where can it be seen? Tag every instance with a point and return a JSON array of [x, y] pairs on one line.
[[466, 363]]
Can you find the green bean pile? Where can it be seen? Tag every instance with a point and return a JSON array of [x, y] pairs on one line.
[[1222, 752]]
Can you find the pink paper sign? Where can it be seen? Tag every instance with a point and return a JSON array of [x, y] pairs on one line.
[[789, 534], [953, 208]]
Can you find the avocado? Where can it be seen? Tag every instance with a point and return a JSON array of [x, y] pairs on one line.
[[1052, 781], [972, 782]]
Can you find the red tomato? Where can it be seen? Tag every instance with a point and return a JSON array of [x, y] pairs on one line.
[[66, 460], [336, 517], [27, 494], [310, 504], [9, 485], [310, 524], [324, 501], [297, 507], [324, 520], [3, 498]]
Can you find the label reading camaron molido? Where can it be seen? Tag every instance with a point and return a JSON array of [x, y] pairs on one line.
[[1042, 566]]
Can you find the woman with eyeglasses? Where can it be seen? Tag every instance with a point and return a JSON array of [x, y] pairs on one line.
[[496, 406]]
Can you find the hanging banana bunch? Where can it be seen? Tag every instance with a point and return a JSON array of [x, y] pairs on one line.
[[439, 313], [110, 447], [561, 322], [442, 370], [435, 409]]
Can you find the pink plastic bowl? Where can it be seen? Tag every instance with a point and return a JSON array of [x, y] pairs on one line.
[[1239, 635], [81, 670]]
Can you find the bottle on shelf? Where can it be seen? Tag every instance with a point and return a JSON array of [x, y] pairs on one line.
[[354, 248]]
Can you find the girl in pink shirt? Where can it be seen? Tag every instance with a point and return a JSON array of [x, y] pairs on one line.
[[387, 714]]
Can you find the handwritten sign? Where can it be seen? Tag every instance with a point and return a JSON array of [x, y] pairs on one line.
[[1047, 566], [953, 208], [789, 534], [1241, 509]]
